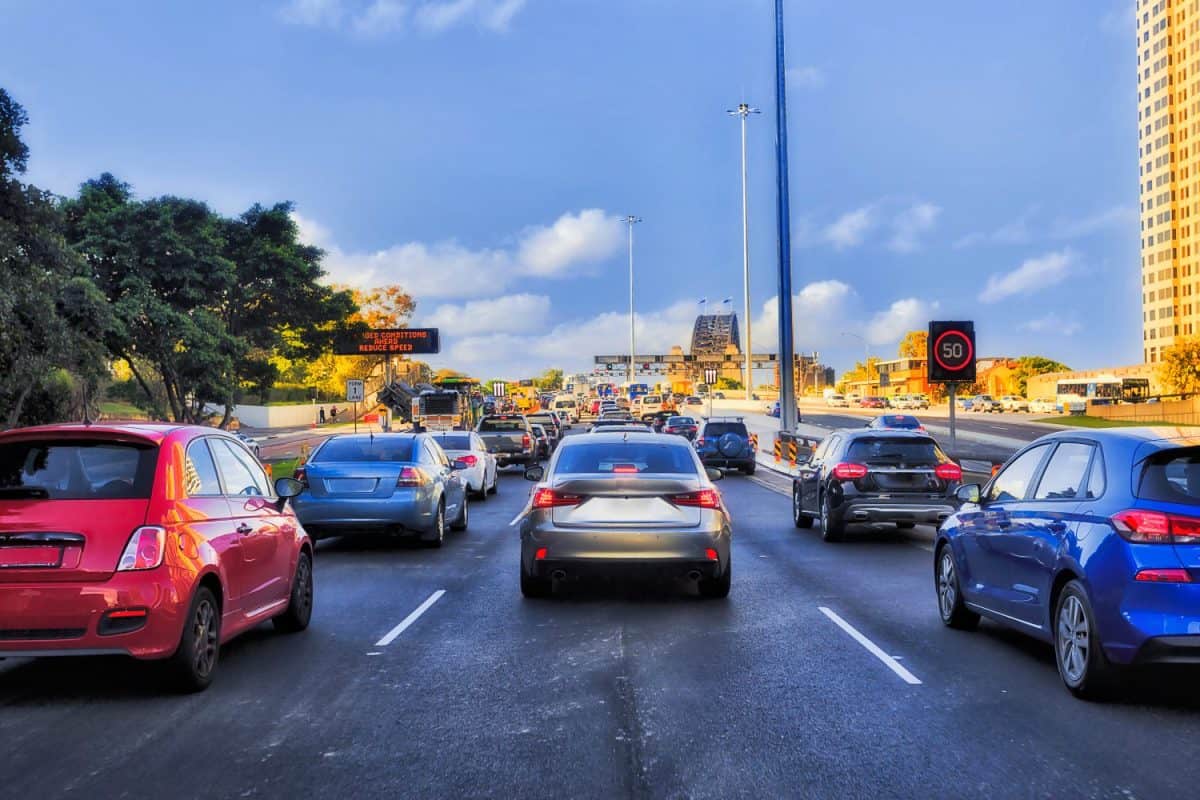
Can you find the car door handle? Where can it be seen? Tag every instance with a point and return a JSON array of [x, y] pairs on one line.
[[244, 529]]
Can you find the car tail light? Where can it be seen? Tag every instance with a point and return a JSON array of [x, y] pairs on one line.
[[1155, 527], [469, 460], [625, 469], [1163, 576], [711, 554], [849, 472], [540, 554], [145, 549], [705, 498], [948, 472], [525, 440], [549, 498], [410, 477]]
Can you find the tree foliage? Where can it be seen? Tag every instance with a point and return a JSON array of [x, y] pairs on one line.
[[1180, 366], [550, 379], [915, 344], [1028, 366]]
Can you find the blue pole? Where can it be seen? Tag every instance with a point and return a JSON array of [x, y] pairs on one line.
[[787, 392]]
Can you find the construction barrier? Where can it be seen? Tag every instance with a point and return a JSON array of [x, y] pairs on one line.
[[792, 451], [778, 450], [754, 440], [270, 472]]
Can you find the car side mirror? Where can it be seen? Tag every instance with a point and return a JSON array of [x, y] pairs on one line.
[[714, 474], [288, 487], [535, 473], [969, 493]]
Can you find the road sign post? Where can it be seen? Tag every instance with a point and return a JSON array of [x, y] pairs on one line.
[[710, 379], [355, 393]]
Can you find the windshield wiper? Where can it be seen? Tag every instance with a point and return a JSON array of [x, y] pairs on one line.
[[25, 492]]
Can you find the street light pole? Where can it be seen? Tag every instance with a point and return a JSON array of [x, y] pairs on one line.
[[744, 110], [631, 220], [783, 223]]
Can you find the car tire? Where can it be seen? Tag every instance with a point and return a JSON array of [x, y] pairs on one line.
[[749, 469], [800, 519], [464, 516], [717, 588], [535, 587], [951, 607], [195, 660], [296, 616], [832, 526], [1078, 653], [495, 482], [439, 527], [482, 494]]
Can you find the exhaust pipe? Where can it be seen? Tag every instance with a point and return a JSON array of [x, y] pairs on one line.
[[559, 574], [694, 575]]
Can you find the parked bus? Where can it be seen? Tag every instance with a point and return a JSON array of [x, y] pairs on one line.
[[1076, 393]]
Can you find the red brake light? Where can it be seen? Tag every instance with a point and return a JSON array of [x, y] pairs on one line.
[[410, 477], [1163, 576], [849, 472], [711, 554], [948, 472], [469, 460], [145, 549], [540, 553], [625, 469], [705, 498], [1155, 527], [525, 440], [549, 498]]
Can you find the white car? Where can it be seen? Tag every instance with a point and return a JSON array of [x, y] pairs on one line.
[[853, 398], [482, 473], [647, 405], [1012, 402], [919, 401], [837, 401], [1043, 407], [900, 401], [569, 405], [564, 415]]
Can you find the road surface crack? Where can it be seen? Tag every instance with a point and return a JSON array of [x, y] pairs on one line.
[[632, 733]]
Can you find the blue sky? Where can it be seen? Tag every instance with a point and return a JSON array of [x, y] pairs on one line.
[[949, 160]]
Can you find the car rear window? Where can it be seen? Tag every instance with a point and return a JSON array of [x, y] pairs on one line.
[[378, 449], [681, 421], [1172, 476], [501, 425], [76, 470], [893, 450], [454, 442], [616, 457], [900, 421], [651, 398], [714, 429]]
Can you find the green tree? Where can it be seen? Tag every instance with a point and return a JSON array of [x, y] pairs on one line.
[[1180, 366], [730, 384], [1028, 366], [550, 379]]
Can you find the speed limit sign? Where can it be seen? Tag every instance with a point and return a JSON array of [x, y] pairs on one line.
[[951, 352]]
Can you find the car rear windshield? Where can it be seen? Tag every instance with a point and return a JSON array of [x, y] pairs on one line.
[[619, 457], [380, 448], [900, 421], [454, 442], [564, 404], [651, 398], [1172, 476], [64, 469], [714, 429], [501, 425], [893, 450], [681, 421]]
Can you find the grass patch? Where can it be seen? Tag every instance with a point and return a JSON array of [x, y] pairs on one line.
[[1100, 422], [283, 467], [115, 409]]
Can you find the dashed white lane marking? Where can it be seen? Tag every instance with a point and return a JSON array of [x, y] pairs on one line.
[[872, 648], [410, 619]]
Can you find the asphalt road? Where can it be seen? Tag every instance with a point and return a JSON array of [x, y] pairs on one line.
[[611, 689]]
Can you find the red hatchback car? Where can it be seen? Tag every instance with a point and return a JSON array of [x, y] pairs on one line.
[[154, 541]]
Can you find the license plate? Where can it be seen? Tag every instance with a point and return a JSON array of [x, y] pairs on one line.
[[352, 485], [30, 557]]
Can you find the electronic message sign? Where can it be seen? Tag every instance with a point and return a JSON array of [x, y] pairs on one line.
[[951, 352], [388, 342]]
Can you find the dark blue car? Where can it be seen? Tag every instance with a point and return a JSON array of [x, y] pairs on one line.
[[1088, 541]]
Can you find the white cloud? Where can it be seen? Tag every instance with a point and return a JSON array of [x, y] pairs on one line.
[[1033, 274], [586, 237], [902, 316], [1052, 323], [807, 77], [508, 314], [910, 224], [448, 269], [313, 13], [1013, 232], [1119, 20], [370, 18], [381, 18], [851, 228], [1115, 217]]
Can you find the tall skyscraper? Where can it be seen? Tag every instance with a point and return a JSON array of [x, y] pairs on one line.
[[1168, 87]]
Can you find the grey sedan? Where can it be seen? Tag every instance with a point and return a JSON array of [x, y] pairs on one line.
[[394, 483], [625, 502]]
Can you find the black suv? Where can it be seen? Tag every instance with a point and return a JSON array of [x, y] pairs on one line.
[[725, 442], [858, 475]]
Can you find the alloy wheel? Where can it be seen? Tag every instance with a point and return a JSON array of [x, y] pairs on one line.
[[947, 586], [204, 635], [1073, 639]]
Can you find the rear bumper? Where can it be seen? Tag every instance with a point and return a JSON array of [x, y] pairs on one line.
[[718, 460], [508, 459], [1170, 650], [622, 551], [323, 517], [874, 509], [64, 619]]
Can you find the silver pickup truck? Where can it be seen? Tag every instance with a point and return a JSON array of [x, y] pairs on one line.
[[509, 438]]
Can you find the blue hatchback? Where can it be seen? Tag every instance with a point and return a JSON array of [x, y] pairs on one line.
[[1088, 541]]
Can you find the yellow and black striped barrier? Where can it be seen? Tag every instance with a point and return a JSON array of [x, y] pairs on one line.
[[792, 452], [754, 440], [778, 450]]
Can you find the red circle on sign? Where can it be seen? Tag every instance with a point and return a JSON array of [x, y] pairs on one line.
[[937, 351]]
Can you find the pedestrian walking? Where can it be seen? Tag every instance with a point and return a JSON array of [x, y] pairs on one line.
[[322, 415], [333, 413]]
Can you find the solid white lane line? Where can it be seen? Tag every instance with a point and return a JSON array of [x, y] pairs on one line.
[[410, 619], [871, 647]]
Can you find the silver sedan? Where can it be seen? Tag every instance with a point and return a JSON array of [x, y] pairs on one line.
[[625, 503]]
